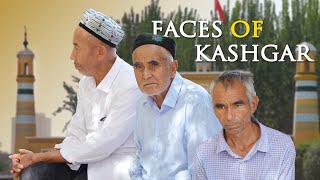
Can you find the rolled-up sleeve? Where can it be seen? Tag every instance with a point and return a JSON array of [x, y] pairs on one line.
[[75, 132], [100, 144]]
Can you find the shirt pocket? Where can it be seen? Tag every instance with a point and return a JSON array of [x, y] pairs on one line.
[[101, 122]]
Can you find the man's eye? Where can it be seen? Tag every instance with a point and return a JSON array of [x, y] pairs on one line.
[[153, 63], [239, 104], [75, 47], [137, 66], [220, 106]]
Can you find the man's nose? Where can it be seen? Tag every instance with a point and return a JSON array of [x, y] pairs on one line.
[[72, 56], [229, 114], [146, 73]]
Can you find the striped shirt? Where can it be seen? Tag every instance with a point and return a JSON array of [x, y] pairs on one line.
[[272, 157]]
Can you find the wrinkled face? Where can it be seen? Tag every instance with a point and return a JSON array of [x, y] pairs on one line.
[[153, 69], [232, 107], [83, 53]]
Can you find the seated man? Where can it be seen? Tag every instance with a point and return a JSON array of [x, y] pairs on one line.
[[173, 116], [245, 148], [100, 133]]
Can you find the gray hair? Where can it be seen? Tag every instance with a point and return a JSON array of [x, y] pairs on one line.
[[228, 78]]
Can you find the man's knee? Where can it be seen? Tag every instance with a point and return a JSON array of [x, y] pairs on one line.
[[26, 174], [48, 171]]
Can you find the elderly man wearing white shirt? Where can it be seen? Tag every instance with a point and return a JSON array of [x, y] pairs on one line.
[[99, 141]]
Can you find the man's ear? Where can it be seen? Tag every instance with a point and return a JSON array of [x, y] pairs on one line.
[[174, 68], [254, 104], [102, 50]]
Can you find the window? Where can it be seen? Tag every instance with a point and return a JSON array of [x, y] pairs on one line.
[[26, 69]]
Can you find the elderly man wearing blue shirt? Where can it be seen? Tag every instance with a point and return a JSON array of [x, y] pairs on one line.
[[173, 116], [245, 148]]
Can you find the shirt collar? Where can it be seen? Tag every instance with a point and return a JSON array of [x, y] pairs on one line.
[[106, 83], [173, 93], [262, 143], [222, 144]]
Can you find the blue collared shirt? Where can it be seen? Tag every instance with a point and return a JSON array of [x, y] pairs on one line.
[[167, 138], [271, 158]]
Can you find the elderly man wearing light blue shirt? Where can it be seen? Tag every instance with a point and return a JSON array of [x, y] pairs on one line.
[[245, 148], [173, 116]]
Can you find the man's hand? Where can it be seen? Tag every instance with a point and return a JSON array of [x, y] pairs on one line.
[[21, 161], [16, 167], [26, 158]]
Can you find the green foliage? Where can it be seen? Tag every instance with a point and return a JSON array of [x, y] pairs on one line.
[[3, 166], [301, 149], [134, 24], [311, 162], [307, 161], [274, 82]]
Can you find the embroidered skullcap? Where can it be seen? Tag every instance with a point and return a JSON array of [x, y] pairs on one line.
[[102, 27], [166, 42]]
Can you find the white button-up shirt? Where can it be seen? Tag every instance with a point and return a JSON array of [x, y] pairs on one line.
[[100, 133]]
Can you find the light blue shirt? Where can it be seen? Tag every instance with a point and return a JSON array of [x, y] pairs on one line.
[[167, 138], [271, 158]]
